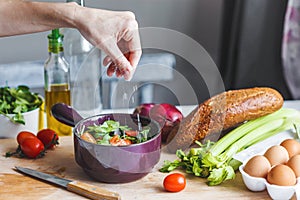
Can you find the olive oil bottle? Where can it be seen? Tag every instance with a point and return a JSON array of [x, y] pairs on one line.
[[57, 81]]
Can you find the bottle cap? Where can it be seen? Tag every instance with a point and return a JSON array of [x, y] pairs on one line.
[[55, 41]]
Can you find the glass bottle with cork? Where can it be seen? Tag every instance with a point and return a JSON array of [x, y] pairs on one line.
[[57, 81]]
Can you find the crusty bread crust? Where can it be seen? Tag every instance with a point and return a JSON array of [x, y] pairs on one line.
[[223, 111]]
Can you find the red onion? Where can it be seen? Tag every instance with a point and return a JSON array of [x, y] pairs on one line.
[[144, 109], [167, 115]]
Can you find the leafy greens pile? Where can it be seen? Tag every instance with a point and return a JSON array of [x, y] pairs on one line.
[[17, 101], [215, 162]]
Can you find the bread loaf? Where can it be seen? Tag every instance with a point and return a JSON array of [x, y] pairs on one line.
[[223, 111]]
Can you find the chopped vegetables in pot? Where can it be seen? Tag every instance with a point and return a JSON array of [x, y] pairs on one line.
[[112, 133]]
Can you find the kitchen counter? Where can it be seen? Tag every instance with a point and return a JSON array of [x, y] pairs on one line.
[[61, 162]]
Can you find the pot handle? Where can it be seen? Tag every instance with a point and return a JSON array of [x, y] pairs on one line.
[[65, 114]]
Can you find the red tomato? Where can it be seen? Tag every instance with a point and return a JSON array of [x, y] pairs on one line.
[[117, 141], [24, 135], [174, 182], [131, 133], [48, 137], [114, 140], [32, 147]]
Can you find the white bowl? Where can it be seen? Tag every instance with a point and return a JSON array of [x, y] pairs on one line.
[[257, 184], [10, 130]]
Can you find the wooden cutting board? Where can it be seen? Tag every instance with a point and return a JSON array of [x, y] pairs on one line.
[[61, 162]]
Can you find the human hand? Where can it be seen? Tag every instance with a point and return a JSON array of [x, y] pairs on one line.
[[116, 33]]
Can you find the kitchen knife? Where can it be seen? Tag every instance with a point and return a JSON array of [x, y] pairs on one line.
[[84, 189]]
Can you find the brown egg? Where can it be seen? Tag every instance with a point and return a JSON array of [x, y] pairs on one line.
[[281, 175], [257, 166], [294, 164], [292, 146], [277, 155]]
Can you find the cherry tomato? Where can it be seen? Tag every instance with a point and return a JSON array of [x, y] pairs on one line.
[[174, 182], [114, 140], [24, 135], [117, 141], [131, 133], [48, 137], [32, 147]]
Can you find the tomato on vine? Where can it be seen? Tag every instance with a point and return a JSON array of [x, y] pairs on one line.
[[24, 135], [32, 147], [48, 137]]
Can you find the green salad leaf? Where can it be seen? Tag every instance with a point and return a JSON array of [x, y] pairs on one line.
[[17, 101]]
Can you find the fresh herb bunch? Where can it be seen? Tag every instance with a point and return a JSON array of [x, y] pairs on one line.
[[18, 101], [104, 132]]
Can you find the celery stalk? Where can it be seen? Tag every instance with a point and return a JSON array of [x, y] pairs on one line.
[[244, 129], [291, 116], [289, 124], [266, 130]]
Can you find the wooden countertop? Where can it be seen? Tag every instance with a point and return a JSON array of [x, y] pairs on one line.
[[61, 162]]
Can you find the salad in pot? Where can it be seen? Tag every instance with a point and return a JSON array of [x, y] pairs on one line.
[[111, 132]]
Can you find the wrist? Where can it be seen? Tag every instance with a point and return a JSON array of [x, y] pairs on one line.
[[55, 15], [71, 18], [79, 16]]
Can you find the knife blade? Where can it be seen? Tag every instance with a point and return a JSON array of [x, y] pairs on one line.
[[81, 188]]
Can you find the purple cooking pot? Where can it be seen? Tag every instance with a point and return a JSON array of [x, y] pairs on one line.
[[106, 163]]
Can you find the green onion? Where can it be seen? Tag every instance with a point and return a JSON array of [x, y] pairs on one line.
[[216, 163]]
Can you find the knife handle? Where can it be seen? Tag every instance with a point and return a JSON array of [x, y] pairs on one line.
[[91, 191]]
